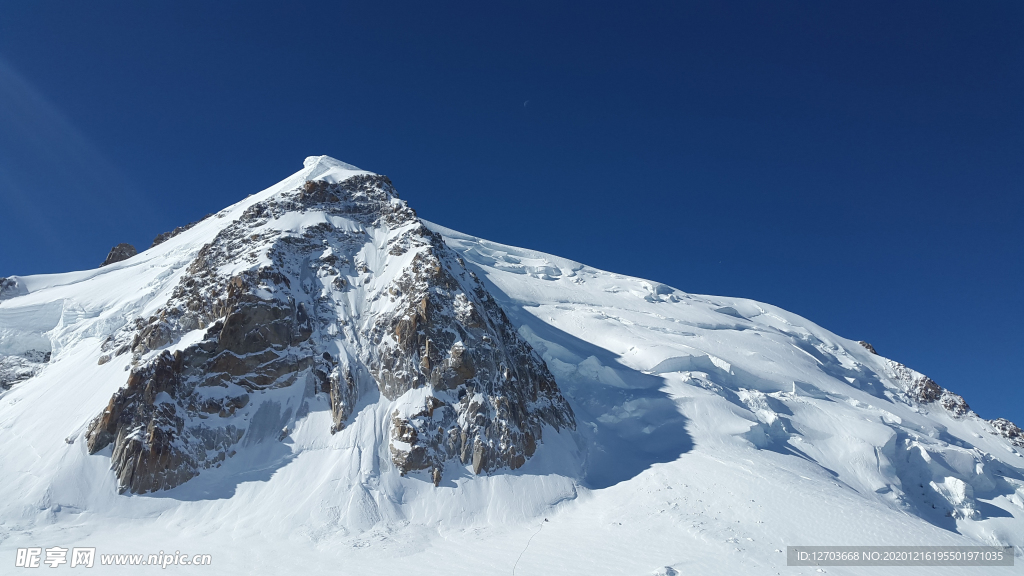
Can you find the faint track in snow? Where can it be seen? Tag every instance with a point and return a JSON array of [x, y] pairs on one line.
[[527, 546]]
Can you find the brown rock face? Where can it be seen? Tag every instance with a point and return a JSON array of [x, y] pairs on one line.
[[491, 394], [344, 395], [362, 294], [924, 390], [1008, 430], [435, 327], [955, 403], [156, 422], [120, 252], [145, 457]]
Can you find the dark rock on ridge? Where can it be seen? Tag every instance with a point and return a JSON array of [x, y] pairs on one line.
[[119, 253], [161, 238], [11, 287], [924, 390], [1009, 430]]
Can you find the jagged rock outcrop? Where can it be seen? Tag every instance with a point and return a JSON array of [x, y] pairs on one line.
[[868, 346], [360, 294], [161, 238], [119, 253], [10, 287], [1009, 430], [924, 390], [176, 414], [15, 369]]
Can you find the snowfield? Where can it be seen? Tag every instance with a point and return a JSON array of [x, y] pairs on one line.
[[711, 433]]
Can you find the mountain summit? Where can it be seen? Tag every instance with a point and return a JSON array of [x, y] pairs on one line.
[[316, 369], [318, 294]]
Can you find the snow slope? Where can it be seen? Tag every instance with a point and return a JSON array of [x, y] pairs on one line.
[[711, 433]]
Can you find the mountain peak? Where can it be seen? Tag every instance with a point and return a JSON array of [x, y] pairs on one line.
[[310, 300], [328, 169], [314, 367]]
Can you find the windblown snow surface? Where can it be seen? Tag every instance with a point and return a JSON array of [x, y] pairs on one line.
[[711, 433]]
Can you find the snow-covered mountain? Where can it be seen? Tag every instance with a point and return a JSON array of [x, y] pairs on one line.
[[314, 379]]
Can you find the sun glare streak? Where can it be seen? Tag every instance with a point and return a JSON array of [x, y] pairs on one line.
[[43, 154]]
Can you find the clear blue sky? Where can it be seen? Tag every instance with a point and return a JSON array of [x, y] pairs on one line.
[[859, 163]]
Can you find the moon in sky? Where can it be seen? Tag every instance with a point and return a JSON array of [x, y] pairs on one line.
[[525, 103]]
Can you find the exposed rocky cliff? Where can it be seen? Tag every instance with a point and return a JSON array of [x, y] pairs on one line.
[[924, 390], [919, 388], [18, 368], [10, 287], [119, 253], [314, 297], [1008, 430]]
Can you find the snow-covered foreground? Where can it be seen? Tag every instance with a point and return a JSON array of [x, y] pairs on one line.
[[711, 433]]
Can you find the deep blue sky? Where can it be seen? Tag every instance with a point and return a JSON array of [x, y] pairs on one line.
[[858, 163]]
